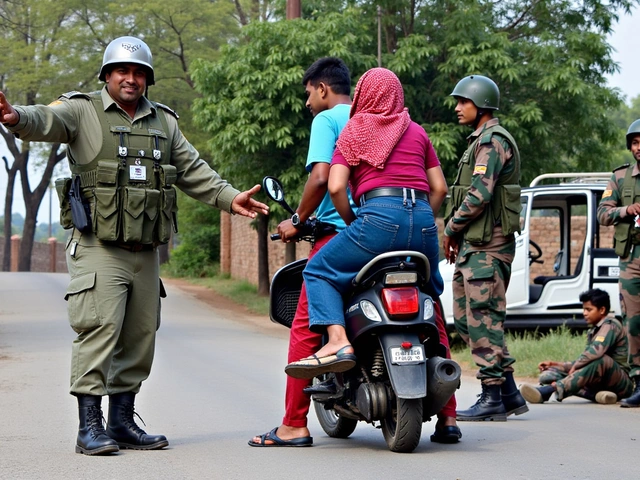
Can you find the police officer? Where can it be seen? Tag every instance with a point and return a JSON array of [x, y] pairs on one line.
[[126, 154], [620, 207], [482, 217]]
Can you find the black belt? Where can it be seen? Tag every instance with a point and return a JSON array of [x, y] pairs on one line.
[[132, 247], [405, 193]]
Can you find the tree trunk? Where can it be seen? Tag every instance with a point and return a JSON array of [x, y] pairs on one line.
[[163, 253], [32, 201], [19, 157], [290, 252], [8, 207], [263, 255]]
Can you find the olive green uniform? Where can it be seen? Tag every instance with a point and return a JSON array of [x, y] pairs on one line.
[[484, 214], [613, 211], [602, 366], [114, 293]]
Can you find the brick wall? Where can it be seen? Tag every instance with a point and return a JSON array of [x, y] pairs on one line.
[[239, 249], [545, 232], [43, 255]]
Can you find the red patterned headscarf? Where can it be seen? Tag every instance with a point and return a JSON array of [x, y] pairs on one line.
[[378, 119]]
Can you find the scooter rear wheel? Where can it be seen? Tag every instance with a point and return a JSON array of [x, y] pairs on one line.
[[332, 423], [402, 426]]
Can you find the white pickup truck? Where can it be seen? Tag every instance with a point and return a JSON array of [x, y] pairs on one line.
[[561, 252]]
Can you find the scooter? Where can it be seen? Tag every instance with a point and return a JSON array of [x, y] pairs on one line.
[[401, 378]]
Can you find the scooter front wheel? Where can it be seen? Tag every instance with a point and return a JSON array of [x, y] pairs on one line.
[[402, 426]]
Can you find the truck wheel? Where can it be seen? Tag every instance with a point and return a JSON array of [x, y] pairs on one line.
[[402, 426]]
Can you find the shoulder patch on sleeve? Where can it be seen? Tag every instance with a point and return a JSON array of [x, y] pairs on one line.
[[607, 193], [480, 170], [75, 94], [167, 109], [599, 338], [621, 167]]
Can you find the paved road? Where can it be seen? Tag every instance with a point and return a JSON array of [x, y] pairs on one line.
[[218, 380]]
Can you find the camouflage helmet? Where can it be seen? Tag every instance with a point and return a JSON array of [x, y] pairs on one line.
[[482, 91], [634, 129], [127, 50]]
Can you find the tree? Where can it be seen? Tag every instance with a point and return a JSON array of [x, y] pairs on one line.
[[252, 101], [550, 60], [35, 37]]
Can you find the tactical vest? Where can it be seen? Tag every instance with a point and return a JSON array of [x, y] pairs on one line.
[[623, 233], [504, 208], [129, 184]]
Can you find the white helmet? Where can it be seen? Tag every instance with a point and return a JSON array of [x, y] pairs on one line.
[[127, 50]]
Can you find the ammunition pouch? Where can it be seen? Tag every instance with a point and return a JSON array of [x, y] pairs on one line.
[[508, 208], [63, 185], [622, 239]]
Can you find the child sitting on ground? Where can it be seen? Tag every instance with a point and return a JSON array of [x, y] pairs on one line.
[[600, 374]]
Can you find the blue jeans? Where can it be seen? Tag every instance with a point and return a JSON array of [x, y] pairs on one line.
[[383, 224]]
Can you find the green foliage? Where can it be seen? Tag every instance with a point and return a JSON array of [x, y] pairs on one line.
[[531, 348], [252, 101], [198, 252], [550, 60]]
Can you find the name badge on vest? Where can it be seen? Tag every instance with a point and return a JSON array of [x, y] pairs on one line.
[[138, 173]]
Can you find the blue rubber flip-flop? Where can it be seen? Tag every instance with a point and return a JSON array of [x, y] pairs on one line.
[[313, 366], [278, 442]]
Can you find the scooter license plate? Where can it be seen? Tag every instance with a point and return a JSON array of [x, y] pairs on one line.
[[401, 355]]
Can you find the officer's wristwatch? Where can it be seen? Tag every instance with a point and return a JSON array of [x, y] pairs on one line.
[[295, 220]]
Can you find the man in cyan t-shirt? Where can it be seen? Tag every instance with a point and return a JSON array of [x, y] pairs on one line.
[[328, 85]]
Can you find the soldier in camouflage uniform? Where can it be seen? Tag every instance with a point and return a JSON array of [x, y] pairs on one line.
[[620, 207], [482, 217], [125, 153], [600, 374]]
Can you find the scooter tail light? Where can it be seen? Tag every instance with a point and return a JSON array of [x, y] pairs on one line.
[[400, 301]]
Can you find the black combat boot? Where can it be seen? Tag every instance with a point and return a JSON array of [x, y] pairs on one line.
[[123, 429], [539, 394], [92, 439], [511, 398], [634, 400], [489, 407]]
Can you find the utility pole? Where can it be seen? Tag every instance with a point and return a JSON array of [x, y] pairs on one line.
[[294, 9]]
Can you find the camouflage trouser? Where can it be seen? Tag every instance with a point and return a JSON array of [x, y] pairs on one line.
[[480, 283], [630, 303], [601, 374]]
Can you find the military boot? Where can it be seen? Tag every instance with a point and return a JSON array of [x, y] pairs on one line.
[[511, 398], [489, 407], [92, 439], [123, 429], [539, 394], [634, 400]]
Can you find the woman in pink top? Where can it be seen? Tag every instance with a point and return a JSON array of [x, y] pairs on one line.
[[396, 179]]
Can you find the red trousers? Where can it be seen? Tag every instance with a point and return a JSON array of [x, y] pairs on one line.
[[304, 343]]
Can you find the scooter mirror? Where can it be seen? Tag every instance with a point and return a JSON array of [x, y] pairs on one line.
[[275, 191], [273, 188]]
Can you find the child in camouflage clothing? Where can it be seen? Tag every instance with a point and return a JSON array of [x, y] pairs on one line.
[[601, 373]]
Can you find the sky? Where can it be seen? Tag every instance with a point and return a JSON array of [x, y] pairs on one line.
[[623, 40]]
